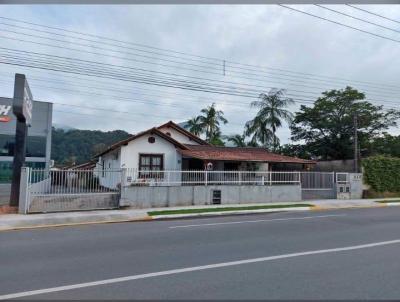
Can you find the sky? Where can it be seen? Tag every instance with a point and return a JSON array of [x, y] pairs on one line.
[[263, 46]]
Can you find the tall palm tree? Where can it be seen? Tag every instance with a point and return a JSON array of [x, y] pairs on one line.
[[272, 112], [210, 121], [195, 126]]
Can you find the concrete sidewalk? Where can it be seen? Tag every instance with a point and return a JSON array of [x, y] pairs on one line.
[[18, 221]]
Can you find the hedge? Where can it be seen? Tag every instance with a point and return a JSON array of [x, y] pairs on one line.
[[382, 173]]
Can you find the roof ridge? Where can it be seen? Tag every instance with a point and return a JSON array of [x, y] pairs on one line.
[[188, 133], [134, 136]]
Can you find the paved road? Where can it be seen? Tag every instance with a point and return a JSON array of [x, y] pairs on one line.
[[321, 255]]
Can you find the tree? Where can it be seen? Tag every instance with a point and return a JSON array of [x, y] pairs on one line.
[[387, 144], [270, 116], [210, 122], [79, 146], [217, 140], [98, 148], [195, 126], [327, 127], [259, 132], [238, 140], [294, 150]]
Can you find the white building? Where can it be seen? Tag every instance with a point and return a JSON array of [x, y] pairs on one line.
[[163, 152]]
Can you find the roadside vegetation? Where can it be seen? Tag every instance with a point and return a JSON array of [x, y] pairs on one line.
[[389, 201], [382, 173], [226, 209]]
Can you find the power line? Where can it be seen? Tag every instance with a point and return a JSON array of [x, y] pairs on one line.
[[108, 38], [372, 13], [145, 77], [238, 104], [356, 18], [297, 100], [165, 82], [341, 24], [209, 90], [130, 100], [220, 61], [140, 71], [202, 71]]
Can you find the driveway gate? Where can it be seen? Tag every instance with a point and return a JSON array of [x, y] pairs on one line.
[[318, 185], [68, 190]]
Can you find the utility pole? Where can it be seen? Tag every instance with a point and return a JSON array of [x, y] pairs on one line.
[[356, 152]]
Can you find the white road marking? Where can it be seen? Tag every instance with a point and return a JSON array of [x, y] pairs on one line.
[[253, 221], [191, 269]]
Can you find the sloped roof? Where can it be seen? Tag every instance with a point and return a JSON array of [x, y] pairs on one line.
[[239, 154], [153, 131], [206, 151], [184, 132], [85, 166]]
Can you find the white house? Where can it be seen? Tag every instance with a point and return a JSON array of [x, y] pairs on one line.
[[164, 152]]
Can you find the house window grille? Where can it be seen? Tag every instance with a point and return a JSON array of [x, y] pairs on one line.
[[151, 165]]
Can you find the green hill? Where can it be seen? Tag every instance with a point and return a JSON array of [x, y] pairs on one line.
[[79, 146]]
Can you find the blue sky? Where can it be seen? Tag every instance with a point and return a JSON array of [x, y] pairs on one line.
[[269, 36]]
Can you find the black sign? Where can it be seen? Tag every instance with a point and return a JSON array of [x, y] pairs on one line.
[[22, 108], [23, 103]]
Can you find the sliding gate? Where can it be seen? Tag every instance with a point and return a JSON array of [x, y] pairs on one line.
[[69, 190], [318, 185]]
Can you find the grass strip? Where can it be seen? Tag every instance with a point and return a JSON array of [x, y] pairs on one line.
[[226, 209], [388, 201]]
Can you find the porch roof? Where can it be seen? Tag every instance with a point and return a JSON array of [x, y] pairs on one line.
[[249, 154]]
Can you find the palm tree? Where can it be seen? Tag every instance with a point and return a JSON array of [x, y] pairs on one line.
[[260, 132], [210, 121], [195, 126], [269, 117], [238, 140]]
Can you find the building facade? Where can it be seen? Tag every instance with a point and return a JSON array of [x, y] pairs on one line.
[[38, 148], [160, 154]]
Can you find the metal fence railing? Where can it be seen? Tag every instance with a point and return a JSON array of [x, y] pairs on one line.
[[317, 180], [42, 181], [204, 177], [62, 182]]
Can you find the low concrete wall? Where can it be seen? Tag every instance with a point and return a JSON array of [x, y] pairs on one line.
[[5, 190], [310, 194], [78, 202], [152, 197]]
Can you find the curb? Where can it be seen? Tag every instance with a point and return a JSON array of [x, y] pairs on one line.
[[37, 225], [48, 222], [323, 208], [392, 204], [227, 213]]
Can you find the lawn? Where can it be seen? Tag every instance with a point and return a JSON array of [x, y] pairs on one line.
[[226, 209], [388, 201]]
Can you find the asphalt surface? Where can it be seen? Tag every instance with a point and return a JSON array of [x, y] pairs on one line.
[[46, 258]]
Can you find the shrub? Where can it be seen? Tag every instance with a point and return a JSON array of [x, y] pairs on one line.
[[382, 173]]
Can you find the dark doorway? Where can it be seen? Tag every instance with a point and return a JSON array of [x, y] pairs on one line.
[[193, 164], [231, 166]]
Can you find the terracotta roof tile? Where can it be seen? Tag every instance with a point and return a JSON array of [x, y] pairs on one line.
[[239, 154]]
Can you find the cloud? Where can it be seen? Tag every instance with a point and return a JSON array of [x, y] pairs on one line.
[[264, 35]]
